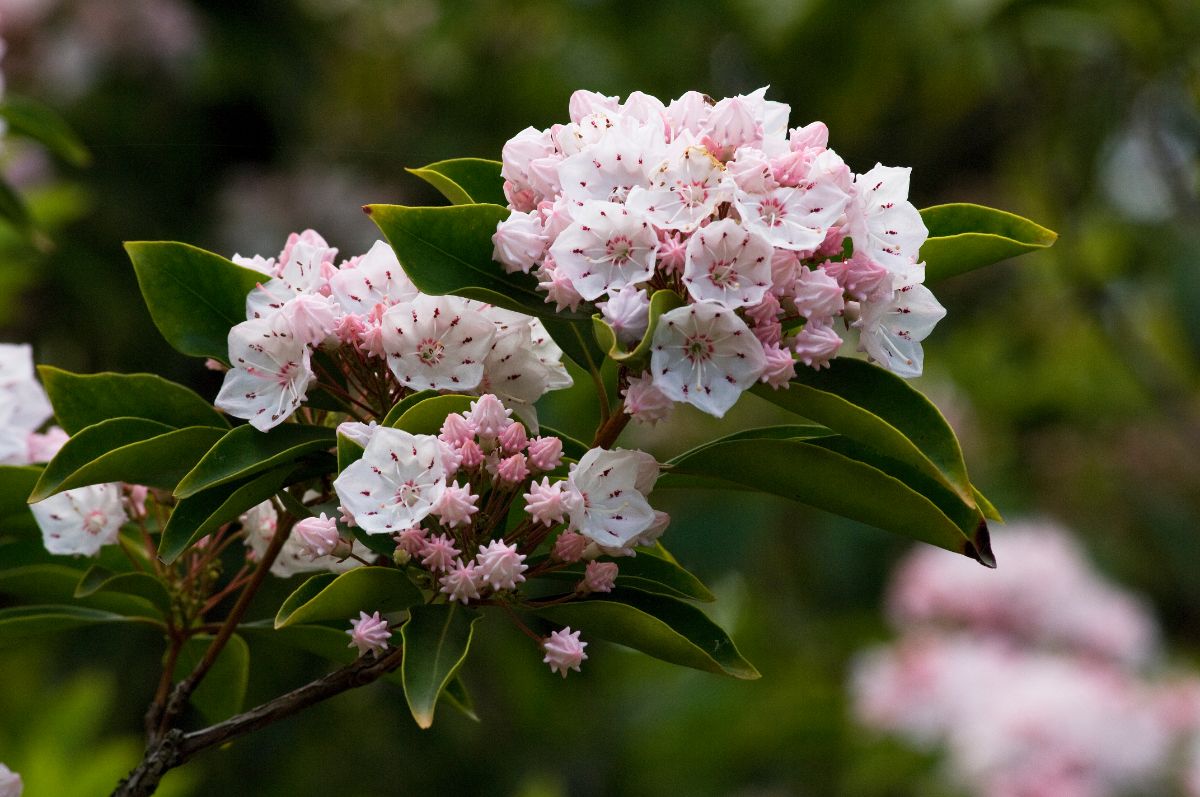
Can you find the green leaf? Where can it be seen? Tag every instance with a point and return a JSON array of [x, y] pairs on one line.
[[427, 415], [204, 512], [436, 639], [56, 583], [572, 448], [141, 585], [404, 405], [661, 302], [465, 181], [348, 452], [792, 431], [874, 406], [963, 237], [329, 596], [195, 297], [657, 625], [811, 474], [246, 451], [25, 622], [221, 694], [132, 450], [16, 483], [13, 208], [34, 120], [649, 572], [81, 400]]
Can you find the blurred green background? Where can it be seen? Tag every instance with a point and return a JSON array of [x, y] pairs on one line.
[[1071, 376]]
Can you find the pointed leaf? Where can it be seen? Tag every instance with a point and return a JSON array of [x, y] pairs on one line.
[[330, 596], [404, 405], [661, 302], [657, 625], [246, 451], [465, 181], [81, 400], [195, 297], [204, 512], [34, 120], [16, 483], [221, 694], [963, 237], [99, 580], [436, 639], [25, 622], [56, 583]]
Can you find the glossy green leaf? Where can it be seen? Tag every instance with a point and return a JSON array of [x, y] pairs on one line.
[[204, 512], [874, 406], [99, 580], [57, 583], [194, 297], [132, 450], [25, 622], [81, 400], [428, 415], [245, 451], [657, 625], [792, 431], [13, 208], [16, 483], [404, 405], [348, 451], [648, 572], [436, 639], [465, 181], [223, 691], [814, 475], [34, 120], [661, 302], [963, 237], [330, 596]]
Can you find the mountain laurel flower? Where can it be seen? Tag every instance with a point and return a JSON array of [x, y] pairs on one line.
[[816, 344], [462, 581], [891, 330], [607, 507], [703, 354], [514, 439], [500, 566], [569, 547], [781, 367], [270, 372], [765, 311], [560, 291], [436, 343], [43, 446], [369, 633], [860, 276], [627, 311], [489, 416], [396, 484], [564, 651], [883, 223], [644, 402], [456, 430], [672, 251], [456, 506], [599, 577], [135, 500], [439, 552], [311, 317], [470, 455], [544, 502], [375, 279], [519, 242], [318, 536], [545, 453], [605, 249], [818, 296], [356, 432], [10, 783], [685, 189], [412, 541], [512, 470], [82, 520], [729, 264]]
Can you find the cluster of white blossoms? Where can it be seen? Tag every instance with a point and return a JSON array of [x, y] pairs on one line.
[[380, 336], [764, 231], [1035, 679]]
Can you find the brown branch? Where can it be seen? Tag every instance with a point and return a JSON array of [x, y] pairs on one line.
[[610, 430]]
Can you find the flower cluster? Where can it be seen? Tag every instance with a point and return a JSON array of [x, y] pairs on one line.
[[377, 337], [764, 232], [1031, 678], [10, 783]]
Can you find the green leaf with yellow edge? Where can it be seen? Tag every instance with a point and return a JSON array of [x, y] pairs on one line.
[[245, 451], [963, 237], [81, 400], [194, 297], [661, 302], [436, 639], [223, 691], [329, 596], [206, 511], [657, 625], [465, 181]]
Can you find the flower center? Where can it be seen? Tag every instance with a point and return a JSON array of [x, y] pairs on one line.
[[699, 348], [94, 521], [693, 194], [619, 250], [409, 494], [771, 211], [430, 351], [722, 274]]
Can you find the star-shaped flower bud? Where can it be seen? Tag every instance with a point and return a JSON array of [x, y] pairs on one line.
[[544, 501], [728, 263], [439, 552], [462, 581], [270, 372], [816, 344], [436, 343], [703, 354], [545, 453], [564, 651], [569, 546], [606, 248], [376, 278], [818, 296], [560, 291], [369, 633], [412, 541], [489, 416], [82, 520], [500, 566], [396, 484], [317, 536], [607, 507], [456, 506], [781, 366], [599, 577], [859, 275], [883, 223], [684, 190]]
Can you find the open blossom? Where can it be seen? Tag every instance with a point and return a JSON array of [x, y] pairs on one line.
[[397, 482], [728, 263], [436, 343], [24, 406], [375, 279], [270, 373], [500, 566], [606, 249], [891, 330], [793, 217], [82, 520], [883, 223], [627, 311], [685, 189], [369, 633], [607, 506], [703, 354], [564, 651]]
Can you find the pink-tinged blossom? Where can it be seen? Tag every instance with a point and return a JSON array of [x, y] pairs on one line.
[[376, 278], [270, 372], [10, 783], [672, 251], [751, 170], [369, 633], [569, 546], [599, 577], [560, 291], [816, 344], [24, 406], [564, 651], [318, 536], [545, 502], [43, 447], [456, 506], [349, 330], [793, 217], [80, 521], [470, 455], [781, 367], [860, 276], [519, 242], [303, 267], [834, 243], [513, 439], [606, 248], [437, 343], [439, 552], [729, 264], [263, 265], [500, 566], [882, 222], [627, 311], [456, 429], [556, 217], [891, 329], [519, 158], [462, 581], [398, 481], [684, 190], [513, 373], [703, 354], [732, 123], [688, 113], [608, 508], [412, 541], [311, 317], [545, 453], [584, 103], [817, 295], [512, 470], [644, 402], [609, 169], [489, 416]]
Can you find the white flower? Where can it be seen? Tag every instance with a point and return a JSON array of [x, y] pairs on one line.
[[793, 217], [728, 263], [513, 373], [609, 169], [883, 223], [82, 520], [302, 268], [705, 355], [891, 330], [270, 372], [606, 248], [605, 504], [23, 403], [397, 482], [519, 242], [376, 278], [437, 343], [627, 311], [684, 190], [263, 265]]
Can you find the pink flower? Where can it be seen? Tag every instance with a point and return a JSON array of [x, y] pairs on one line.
[[817, 296], [43, 447], [816, 344], [439, 552], [599, 577], [369, 633], [645, 402], [456, 506], [10, 783], [512, 470], [461, 582], [500, 565], [135, 499], [672, 251], [781, 367], [312, 317], [457, 430], [545, 502], [558, 287], [569, 546], [859, 275], [318, 536], [470, 455], [412, 541], [513, 439], [564, 651], [519, 242], [545, 453], [489, 416]]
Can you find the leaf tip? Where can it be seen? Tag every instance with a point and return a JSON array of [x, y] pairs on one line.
[[979, 547], [368, 209]]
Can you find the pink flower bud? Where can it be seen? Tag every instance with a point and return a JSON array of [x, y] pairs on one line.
[[545, 453], [462, 582], [645, 402], [439, 552], [489, 416], [599, 577], [544, 502], [318, 536], [369, 633], [818, 296], [457, 430], [513, 439], [512, 470], [816, 344], [564, 651], [781, 367], [519, 242], [500, 566], [456, 506], [471, 455], [569, 546], [412, 541]]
